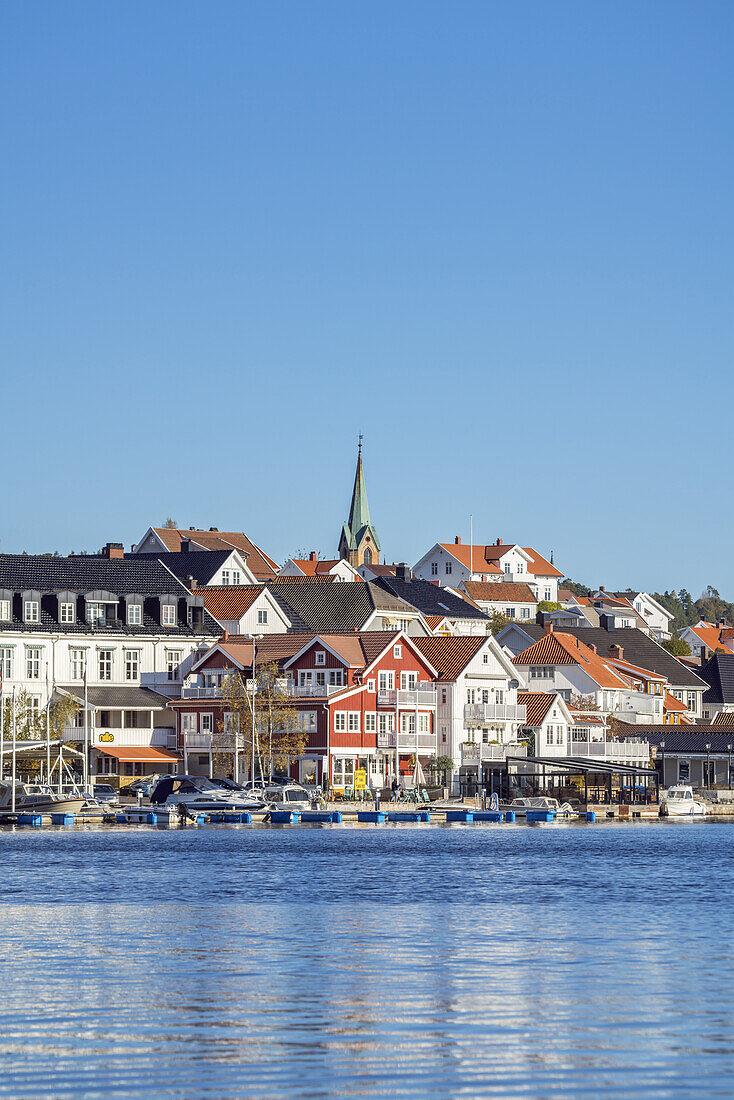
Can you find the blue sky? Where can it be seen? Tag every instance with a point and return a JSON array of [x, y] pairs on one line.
[[495, 238]]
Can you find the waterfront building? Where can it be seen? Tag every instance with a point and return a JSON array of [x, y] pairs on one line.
[[366, 701], [449, 563], [699, 754]]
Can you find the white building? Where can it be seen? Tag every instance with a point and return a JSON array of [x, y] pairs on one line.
[[449, 563], [313, 566], [514, 601]]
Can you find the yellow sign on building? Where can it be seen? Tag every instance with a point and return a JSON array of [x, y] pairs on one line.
[[360, 779]]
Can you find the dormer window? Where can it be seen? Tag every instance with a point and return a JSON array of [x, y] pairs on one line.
[[31, 612], [168, 614], [320, 657], [67, 613], [96, 614], [5, 611], [134, 614]]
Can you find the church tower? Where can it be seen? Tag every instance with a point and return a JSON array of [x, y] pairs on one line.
[[359, 542]]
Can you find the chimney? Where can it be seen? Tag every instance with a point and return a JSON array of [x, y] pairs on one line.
[[225, 636], [312, 556], [498, 542], [113, 550], [591, 646], [190, 583], [402, 572], [601, 588], [185, 546], [192, 528], [213, 528], [705, 653], [616, 651], [548, 628], [457, 540]]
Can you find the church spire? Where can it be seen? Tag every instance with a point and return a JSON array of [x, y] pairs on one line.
[[359, 542]]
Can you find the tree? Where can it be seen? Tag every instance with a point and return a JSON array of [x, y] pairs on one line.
[[170, 524], [548, 605], [438, 766], [677, 646], [278, 739], [497, 621], [582, 702], [575, 588]]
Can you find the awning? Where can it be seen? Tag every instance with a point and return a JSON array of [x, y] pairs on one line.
[[136, 755]]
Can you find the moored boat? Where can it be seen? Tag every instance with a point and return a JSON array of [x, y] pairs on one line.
[[679, 802], [38, 798]]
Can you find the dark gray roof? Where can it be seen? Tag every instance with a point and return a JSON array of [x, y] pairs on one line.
[[429, 598], [82, 574], [335, 608], [638, 648], [718, 673], [202, 565], [113, 697], [689, 739]]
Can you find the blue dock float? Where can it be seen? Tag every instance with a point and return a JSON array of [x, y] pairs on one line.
[[509, 815], [590, 816], [327, 817], [285, 817], [30, 819], [464, 816], [120, 819], [62, 819], [405, 818], [487, 815], [374, 817], [540, 815], [200, 819]]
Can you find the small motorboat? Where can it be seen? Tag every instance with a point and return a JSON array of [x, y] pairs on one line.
[[520, 806], [291, 797], [199, 795], [38, 798], [679, 802]]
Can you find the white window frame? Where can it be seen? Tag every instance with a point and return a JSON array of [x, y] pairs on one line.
[[340, 721], [6, 611], [397, 652], [353, 724], [33, 658], [67, 612], [77, 663], [262, 616], [235, 576], [31, 611], [320, 656], [105, 665], [225, 577], [174, 658], [132, 665], [370, 721], [134, 614], [6, 662], [207, 722], [168, 614], [370, 685]]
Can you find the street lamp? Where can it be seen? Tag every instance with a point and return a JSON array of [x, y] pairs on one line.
[[662, 747], [729, 776], [708, 765]]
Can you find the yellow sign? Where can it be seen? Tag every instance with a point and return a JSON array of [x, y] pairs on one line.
[[360, 779], [106, 737]]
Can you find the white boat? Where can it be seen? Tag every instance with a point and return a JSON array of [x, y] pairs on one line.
[[292, 797], [37, 798], [679, 802], [199, 795], [520, 806]]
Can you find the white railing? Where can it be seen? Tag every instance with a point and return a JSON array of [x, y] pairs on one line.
[[135, 738], [201, 742], [426, 741], [305, 691], [411, 697], [476, 754], [493, 712], [630, 748], [211, 692]]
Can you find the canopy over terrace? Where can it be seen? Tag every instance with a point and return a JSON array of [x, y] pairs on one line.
[[135, 760], [559, 766]]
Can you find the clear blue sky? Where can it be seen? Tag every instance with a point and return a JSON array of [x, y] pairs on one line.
[[496, 238]]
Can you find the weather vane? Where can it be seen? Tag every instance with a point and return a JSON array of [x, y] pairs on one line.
[[361, 437]]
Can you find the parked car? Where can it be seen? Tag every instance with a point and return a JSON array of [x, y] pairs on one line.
[[105, 792]]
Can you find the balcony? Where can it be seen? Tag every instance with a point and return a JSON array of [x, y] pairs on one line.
[[197, 742], [212, 692], [307, 691], [472, 755], [411, 698], [426, 742], [630, 748], [481, 713]]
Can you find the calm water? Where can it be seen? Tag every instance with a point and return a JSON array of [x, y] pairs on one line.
[[557, 961]]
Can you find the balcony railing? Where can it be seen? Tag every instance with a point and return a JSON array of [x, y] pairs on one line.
[[306, 691], [495, 712], [472, 754], [210, 692], [630, 748], [201, 742], [407, 698], [426, 742]]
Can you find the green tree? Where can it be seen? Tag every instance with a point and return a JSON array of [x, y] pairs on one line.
[[275, 740], [497, 621], [548, 605], [677, 646]]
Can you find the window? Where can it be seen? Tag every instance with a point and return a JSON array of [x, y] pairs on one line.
[[434, 568], [188, 722], [471, 695], [370, 722], [307, 720], [173, 660], [96, 614], [559, 735], [5, 611], [485, 658], [448, 567], [343, 772], [510, 612], [262, 615], [423, 723], [6, 663], [353, 723], [520, 567], [549, 735], [507, 566], [386, 681], [548, 594], [134, 719], [340, 721], [408, 681], [691, 701], [207, 723], [104, 658], [397, 652], [134, 614], [407, 723], [168, 616], [34, 704], [443, 695], [370, 685], [132, 664], [500, 696], [485, 696], [525, 613], [320, 657], [33, 664], [66, 613], [684, 771], [443, 735], [386, 723], [30, 611], [77, 663], [541, 672], [321, 679], [336, 676], [225, 576], [235, 576]]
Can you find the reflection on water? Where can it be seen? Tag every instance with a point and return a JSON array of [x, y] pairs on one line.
[[326, 962]]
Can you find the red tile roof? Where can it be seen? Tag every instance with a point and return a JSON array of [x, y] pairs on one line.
[[557, 648], [449, 655], [499, 592], [538, 704], [672, 704], [229, 601], [257, 560], [482, 559]]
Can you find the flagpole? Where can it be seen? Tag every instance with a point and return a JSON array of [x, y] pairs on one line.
[[86, 732], [12, 775], [48, 730]]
